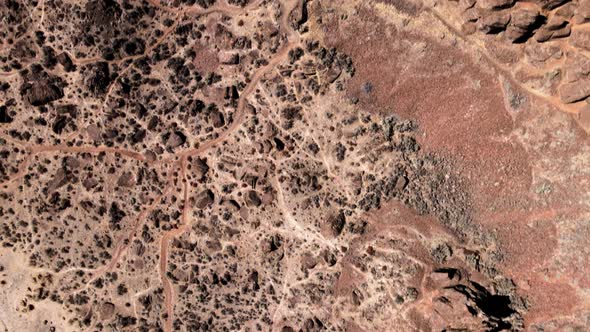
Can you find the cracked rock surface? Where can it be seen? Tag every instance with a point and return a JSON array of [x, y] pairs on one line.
[[294, 165]]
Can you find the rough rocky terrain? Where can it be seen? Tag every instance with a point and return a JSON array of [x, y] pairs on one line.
[[294, 165]]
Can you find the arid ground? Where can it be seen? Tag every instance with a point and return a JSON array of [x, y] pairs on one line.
[[294, 165]]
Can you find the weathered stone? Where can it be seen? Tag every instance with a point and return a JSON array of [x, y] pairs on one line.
[[540, 53], [494, 22], [581, 38], [42, 92], [106, 310], [204, 199], [175, 139], [495, 4], [217, 119], [200, 168], [562, 33], [582, 12], [515, 34], [252, 199], [64, 59], [577, 66], [466, 4], [332, 75], [550, 4], [544, 35], [469, 28], [336, 223], [98, 78], [471, 15], [573, 92], [4, 115], [524, 18], [555, 22], [89, 183], [127, 179], [229, 58], [401, 183]]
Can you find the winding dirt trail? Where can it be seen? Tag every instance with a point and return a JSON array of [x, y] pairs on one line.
[[292, 42], [184, 226], [291, 39]]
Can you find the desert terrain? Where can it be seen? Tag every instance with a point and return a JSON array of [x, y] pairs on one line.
[[294, 165]]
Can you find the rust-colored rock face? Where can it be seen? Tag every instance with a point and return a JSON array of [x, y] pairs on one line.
[[295, 165]]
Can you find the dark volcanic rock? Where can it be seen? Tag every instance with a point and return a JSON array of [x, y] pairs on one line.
[[98, 78], [205, 199], [116, 214], [4, 115], [39, 93], [252, 199], [217, 119], [497, 309], [205, 3], [175, 139], [64, 59], [336, 223], [241, 3], [495, 4], [102, 12], [60, 123], [135, 46], [200, 168]]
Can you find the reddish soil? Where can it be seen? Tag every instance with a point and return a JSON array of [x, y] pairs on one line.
[[459, 106]]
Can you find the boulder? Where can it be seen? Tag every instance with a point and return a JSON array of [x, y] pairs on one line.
[[205, 199], [252, 199], [98, 78], [102, 12], [41, 92], [5, 115], [106, 310], [524, 18], [200, 168], [217, 119], [64, 59], [127, 179], [336, 223], [495, 4], [555, 22], [544, 34], [175, 139], [494, 22]]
